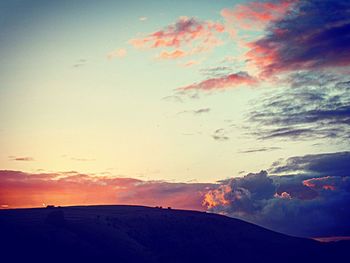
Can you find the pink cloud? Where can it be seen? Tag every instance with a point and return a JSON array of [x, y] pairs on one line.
[[330, 183], [224, 82], [255, 15], [191, 63], [184, 32], [20, 189]]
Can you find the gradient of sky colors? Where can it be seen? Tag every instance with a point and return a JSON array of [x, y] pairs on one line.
[[140, 101]]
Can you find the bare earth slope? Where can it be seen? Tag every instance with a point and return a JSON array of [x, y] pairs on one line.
[[144, 234]]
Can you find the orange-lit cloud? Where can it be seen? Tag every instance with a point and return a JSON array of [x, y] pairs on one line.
[[172, 54], [19, 189], [217, 197], [224, 82], [283, 195]]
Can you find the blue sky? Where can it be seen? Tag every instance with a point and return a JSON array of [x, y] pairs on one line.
[[62, 96]]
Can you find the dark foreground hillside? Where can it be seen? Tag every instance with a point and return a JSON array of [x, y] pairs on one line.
[[143, 234]]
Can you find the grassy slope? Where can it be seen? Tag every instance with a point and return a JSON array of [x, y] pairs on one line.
[[143, 234]]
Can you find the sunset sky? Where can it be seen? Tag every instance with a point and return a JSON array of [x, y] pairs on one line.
[[235, 107]]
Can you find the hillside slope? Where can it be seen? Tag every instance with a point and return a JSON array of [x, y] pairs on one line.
[[144, 234]]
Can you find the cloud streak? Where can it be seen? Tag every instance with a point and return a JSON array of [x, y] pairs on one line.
[[197, 112], [21, 158], [222, 83], [263, 149]]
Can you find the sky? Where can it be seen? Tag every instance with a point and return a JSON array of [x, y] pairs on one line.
[[235, 107]]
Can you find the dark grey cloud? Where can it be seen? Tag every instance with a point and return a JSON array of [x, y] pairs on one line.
[[80, 63], [173, 98], [263, 149], [220, 135], [196, 112], [315, 105], [314, 34], [312, 200], [203, 110], [337, 164]]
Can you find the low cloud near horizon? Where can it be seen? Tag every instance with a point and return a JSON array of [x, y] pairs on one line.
[[302, 196]]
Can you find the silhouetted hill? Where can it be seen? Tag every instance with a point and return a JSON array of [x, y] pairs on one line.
[[144, 234]]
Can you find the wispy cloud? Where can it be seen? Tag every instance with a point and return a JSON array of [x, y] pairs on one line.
[[263, 149], [221, 83], [78, 159], [196, 112], [173, 98], [82, 159], [21, 158], [191, 63], [80, 63], [313, 106], [216, 72], [118, 53]]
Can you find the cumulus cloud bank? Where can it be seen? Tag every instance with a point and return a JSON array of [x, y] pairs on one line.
[[310, 201]]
